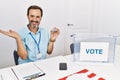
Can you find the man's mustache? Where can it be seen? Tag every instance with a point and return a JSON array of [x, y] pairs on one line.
[[34, 21]]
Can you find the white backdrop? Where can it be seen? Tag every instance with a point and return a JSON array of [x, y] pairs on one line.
[[100, 16]]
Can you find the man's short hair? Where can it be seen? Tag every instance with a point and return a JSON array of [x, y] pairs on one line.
[[35, 7]]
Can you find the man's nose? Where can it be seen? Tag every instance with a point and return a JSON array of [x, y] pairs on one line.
[[34, 19]]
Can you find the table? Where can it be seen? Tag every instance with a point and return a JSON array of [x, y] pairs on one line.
[[109, 71]]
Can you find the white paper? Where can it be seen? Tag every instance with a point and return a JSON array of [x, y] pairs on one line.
[[26, 70], [7, 74], [99, 51]]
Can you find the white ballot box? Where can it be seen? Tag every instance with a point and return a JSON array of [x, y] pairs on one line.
[[94, 47]]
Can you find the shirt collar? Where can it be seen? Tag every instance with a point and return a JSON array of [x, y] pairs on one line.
[[28, 31]]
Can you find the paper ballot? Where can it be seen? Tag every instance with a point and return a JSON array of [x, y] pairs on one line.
[[27, 71], [7, 74]]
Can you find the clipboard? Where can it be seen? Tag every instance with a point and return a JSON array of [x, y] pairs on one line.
[[27, 71]]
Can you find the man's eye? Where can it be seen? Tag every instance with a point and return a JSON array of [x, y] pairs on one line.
[[31, 16], [38, 17]]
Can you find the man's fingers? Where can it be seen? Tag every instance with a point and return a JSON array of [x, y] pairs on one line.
[[5, 32]]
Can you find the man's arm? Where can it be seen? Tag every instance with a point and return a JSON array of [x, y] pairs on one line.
[[50, 47], [53, 35], [20, 47]]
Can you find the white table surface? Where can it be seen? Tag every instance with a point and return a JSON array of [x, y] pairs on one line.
[[109, 71], [51, 68]]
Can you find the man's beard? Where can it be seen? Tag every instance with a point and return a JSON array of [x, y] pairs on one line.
[[34, 25]]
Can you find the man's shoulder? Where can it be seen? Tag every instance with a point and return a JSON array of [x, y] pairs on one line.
[[23, 31]]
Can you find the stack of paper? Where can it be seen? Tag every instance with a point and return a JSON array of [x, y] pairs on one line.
[[27, 71]]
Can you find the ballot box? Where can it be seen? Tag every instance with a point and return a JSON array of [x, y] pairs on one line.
[[94, 47]]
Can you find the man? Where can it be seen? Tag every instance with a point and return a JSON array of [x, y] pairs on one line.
[[33, 42]]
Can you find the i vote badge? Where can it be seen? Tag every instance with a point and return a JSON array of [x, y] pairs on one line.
[[94, 51]]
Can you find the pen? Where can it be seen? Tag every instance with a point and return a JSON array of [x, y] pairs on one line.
[[14, 73], [30, 77]]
